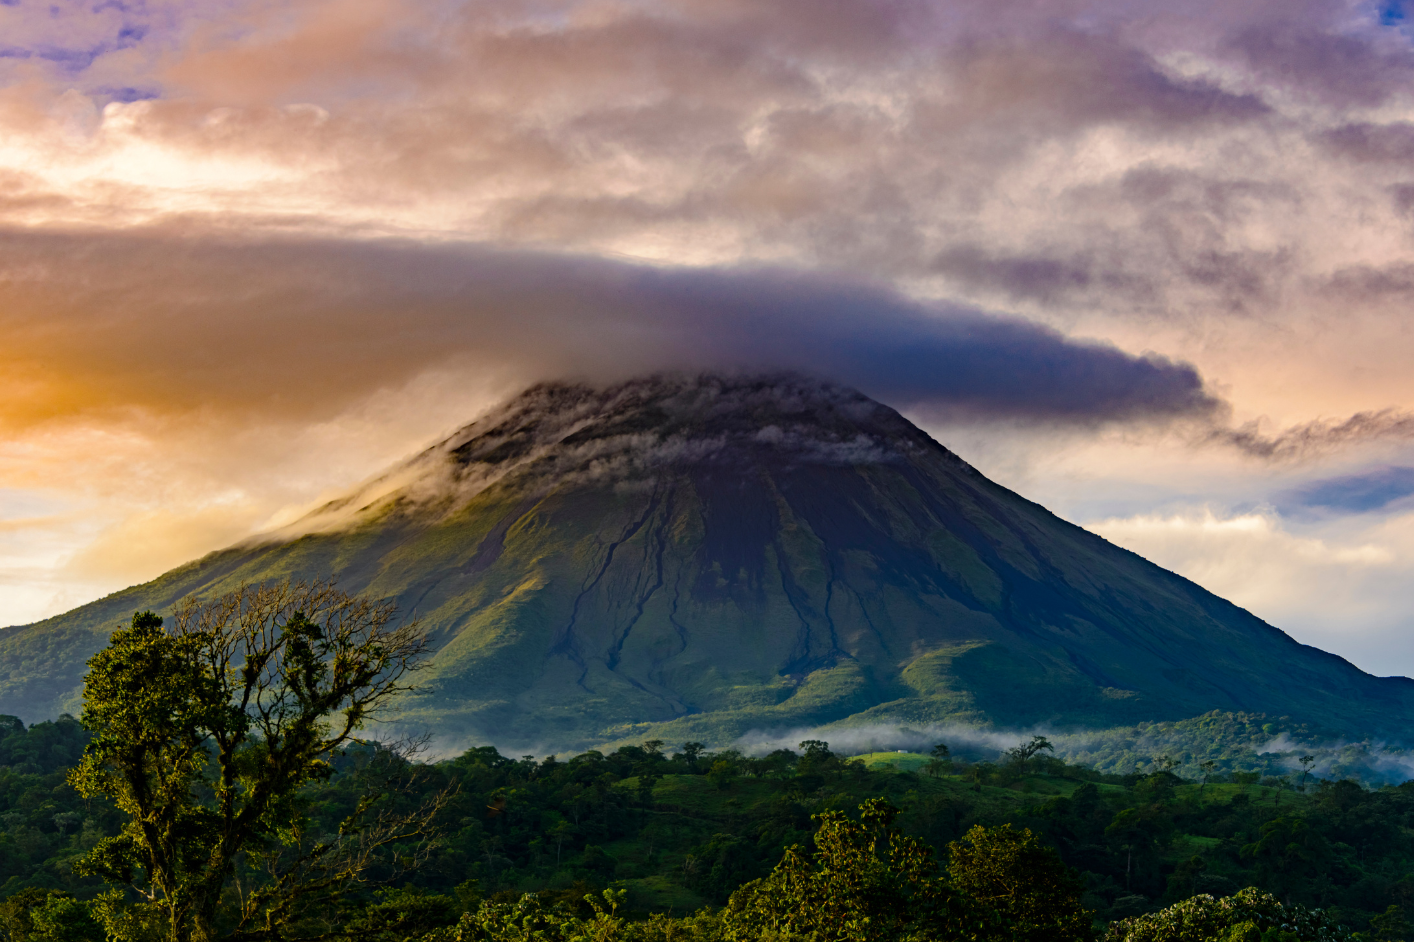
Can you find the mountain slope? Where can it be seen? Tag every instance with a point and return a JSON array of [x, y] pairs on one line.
[[713, 555]]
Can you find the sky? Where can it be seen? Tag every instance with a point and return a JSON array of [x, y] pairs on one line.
[[1148, 264]]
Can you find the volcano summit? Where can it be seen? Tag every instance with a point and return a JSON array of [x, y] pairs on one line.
[[693, 558]]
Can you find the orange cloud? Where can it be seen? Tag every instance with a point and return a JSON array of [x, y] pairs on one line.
[[146, 544]]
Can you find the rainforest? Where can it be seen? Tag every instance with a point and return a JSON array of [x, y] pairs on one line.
[[673, 834]]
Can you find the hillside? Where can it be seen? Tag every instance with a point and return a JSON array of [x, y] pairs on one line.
[[693, 558]]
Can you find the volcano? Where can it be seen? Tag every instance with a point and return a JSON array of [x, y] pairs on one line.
[[695, 557]]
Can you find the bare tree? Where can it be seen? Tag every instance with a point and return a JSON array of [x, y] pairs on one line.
[[1306, 762], [1207, 766]]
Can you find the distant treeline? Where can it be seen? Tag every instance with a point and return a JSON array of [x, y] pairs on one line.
[[1232, 742], [1237, 742]]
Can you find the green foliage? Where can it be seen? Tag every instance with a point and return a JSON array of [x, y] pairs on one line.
[[720, 865], [152, 707], [204, 738], [866, 882], [1013, 873], [35, 915], [43, 748], [1241, 916], [1390, 925], [44, 823], [1221, 745], [722, 774], [530, 919], [403, 913], [1288, 854], [1027, 751], [563, 829], [939, 761]]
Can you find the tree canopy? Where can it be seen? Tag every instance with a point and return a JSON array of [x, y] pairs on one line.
[[204, 733], [866, 882]]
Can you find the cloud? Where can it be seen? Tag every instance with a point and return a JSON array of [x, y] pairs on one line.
[[1355, 493], [878, 139], [297, 328], [1370, 142], [1333, 584], [1249, 556], [1139, 750], [1315, 437], [888, 737], [1039, 277], [1375, 282], [1374, 763], [1324, 65], [138, 546]]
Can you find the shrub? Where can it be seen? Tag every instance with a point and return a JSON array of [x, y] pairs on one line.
[[866, 883], [1246, 916]]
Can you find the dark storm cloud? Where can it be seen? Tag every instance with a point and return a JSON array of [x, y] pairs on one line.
[[302, 328]]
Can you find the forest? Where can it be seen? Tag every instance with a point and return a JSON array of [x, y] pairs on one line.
[[677, 831]]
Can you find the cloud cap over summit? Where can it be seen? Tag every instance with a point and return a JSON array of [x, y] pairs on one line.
[[172, 324]]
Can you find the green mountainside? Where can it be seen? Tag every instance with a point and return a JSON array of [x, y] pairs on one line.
[[696, 558]]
